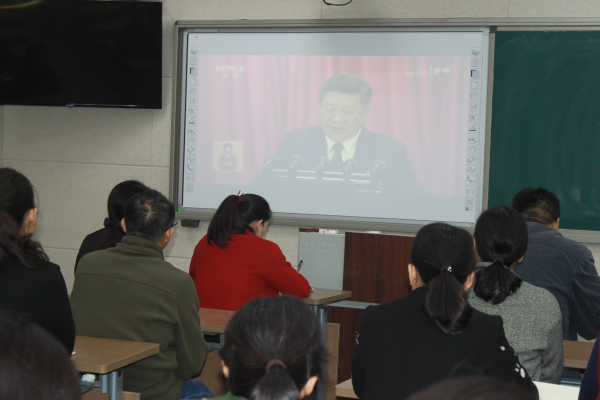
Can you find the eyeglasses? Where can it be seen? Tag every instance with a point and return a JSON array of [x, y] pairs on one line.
[[172, 226]]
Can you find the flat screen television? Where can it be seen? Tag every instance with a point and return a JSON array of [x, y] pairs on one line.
[[81, 53]]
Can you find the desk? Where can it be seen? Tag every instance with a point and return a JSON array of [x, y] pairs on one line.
[[548, 391], [320, 298], [577, 354], [108, 357]]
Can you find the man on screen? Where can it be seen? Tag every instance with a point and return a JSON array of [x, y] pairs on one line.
[[341, 142]]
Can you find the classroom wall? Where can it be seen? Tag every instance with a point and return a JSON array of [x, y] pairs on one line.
[[75, 156]]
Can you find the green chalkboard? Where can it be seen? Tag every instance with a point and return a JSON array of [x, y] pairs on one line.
[[546, 121]]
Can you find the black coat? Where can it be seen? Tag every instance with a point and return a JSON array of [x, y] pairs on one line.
[[40, 295], [401, 350]]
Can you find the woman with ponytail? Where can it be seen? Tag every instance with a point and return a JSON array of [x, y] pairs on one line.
[[531, 315], [413, 342], [30, 285], [273, 350], [112, 233], [234, 264]]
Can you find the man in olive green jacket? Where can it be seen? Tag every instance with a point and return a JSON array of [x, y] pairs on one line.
[[130, 292]]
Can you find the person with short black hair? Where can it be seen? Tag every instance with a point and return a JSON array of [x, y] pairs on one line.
[[112, 233], [29, 283], [410, 343], [273, 350], [561, 265], [130, 292], [234, 264], [33, 363], [531, 315], [341, 137], [227, 160]]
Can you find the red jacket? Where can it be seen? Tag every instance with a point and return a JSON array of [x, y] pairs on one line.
[[250, 267]]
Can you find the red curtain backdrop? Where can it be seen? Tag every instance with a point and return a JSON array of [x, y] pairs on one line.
[[421, 101]]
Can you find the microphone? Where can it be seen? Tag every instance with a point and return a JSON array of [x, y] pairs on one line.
[[378, 166], [323, 164], [295, 162], [270, 161], [350, 165]]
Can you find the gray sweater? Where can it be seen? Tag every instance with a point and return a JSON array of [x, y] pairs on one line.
[[533, 326]]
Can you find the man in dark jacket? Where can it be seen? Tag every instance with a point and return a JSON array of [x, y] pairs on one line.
[[130, 292], [563, 266]]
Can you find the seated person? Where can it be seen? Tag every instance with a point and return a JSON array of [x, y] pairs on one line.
[[561, 265], [531, 315], [130, 292], [233, 264], [227, 160], [343, 108], [273, 350], [33, 364], [29, 283], [112, 233], [413, 342]]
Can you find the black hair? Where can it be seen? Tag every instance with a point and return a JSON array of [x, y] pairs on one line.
[[444, 257], [349, 84], [33, 363], [501, 238], [538, 204], [16, 199], [234, 215], [113, 233], [272, 346], [226, 145], [474, 388], [149, 214]]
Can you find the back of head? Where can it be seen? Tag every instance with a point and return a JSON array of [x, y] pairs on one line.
[[349, 84], [444, 257], [234, 215], [538, 204], [272, 347], [501, 238], [474, 388], [16, 199], [118, 197], [33, 364], [149, 214]]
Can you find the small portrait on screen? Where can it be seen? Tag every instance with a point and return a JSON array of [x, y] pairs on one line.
[[228, 156]]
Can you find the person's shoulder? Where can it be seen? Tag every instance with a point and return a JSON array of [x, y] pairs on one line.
[[43, 273], [540, 299], [486, 322]]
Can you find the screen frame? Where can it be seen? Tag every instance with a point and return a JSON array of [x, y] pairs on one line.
[[389, 225]]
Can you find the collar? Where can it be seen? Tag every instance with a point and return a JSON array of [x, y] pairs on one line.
[[142, 244], [349, 147], [536, 221]]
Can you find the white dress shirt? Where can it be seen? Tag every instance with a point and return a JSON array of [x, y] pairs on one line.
[[349, 147]]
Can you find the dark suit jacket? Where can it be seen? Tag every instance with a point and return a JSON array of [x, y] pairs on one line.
[[310, 144], [401, 350]]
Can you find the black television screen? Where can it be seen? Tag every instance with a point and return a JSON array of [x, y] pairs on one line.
[[81, 53]]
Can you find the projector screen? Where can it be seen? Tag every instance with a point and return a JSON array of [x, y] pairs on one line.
[[383, 125]]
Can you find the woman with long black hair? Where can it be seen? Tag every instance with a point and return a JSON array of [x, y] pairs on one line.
[[29, 284], [234, 264], [410, 343], [531, 315]]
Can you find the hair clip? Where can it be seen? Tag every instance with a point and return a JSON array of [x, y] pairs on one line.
[[239, 197], [448, 268]]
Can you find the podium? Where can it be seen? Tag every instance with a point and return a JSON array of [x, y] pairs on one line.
[[376, 271]]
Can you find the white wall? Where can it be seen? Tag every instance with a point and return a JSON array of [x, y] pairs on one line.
[[75, 156]]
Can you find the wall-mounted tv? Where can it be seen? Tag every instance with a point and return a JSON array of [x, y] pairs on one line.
[[81, 53]]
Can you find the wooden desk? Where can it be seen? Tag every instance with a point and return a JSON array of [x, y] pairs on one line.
[[326, 296], [108, 357], [548, 391], [320, 299], [577, 354], [214, 321]]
